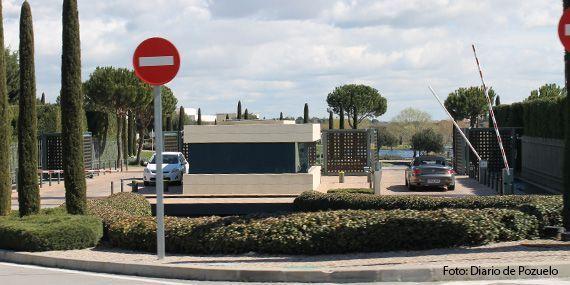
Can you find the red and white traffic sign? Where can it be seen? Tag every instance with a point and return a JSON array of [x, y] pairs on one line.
[[564, 29], [156, 61]]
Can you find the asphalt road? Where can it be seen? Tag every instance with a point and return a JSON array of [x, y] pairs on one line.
[[16, 274]]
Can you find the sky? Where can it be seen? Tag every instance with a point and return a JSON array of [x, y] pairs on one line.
[[277, 55]]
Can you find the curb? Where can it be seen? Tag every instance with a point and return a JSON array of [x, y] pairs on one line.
[[395, 274]]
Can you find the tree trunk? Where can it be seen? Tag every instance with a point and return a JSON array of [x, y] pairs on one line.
[[341, 126], [28, 190], [566, 195], [125, 139], [331, 120], [5, 177], [355, 119], [140, 145]]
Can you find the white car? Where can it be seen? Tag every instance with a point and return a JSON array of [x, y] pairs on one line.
[[174, 166]]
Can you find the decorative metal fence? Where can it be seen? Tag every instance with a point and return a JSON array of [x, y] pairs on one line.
[[51, 151], [349, 151]]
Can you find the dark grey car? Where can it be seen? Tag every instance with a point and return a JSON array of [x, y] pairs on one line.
[[430, 171]]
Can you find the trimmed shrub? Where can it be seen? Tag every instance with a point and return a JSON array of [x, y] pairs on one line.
[[327, 232], [49, 230], [351, 191], [547, 209]]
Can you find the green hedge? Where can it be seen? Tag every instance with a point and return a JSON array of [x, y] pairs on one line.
[[129, 225], [327, 232], [547, 209], [351, 191], [539, 118], [49, 230]]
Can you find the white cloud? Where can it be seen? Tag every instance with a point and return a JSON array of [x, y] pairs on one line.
[[276, 55]]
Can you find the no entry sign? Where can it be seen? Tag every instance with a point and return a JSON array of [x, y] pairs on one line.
[[564, 30], [156, 61]]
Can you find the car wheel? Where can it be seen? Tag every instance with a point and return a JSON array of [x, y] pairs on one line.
[[451, 187], [146, 183], [411, 187]]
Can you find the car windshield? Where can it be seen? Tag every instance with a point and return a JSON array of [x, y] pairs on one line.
[[166, 159], [430, 161]]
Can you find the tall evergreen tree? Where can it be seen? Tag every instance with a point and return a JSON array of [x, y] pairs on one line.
[[199, 116], [281, 116], [72, 111], [227, 117], [341, 118], [246, 115], [169, 123], [566, 195], [215, 121], [28, 189], [43, 99], [355, 118], [331, 120], [239, 110], [306, 114], [181, 117], [497, 101], [5, 179]]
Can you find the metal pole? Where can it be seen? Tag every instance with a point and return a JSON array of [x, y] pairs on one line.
[[492, 113], [159, 175], [455, 123]]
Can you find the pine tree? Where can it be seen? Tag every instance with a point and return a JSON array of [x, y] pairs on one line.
[[181, 119], [72, 111], [281, 116], [246, 115], [28, 189], [331, 120], [306, 114], [199, 116], [239, 110], [5, 179], [341, 118]]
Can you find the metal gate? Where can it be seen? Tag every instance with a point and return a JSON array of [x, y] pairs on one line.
[[173, 141], [51, 151], [349, 151]]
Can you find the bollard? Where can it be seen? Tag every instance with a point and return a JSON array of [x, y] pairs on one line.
[[377, 177], [341, 177], [58, 177], [112, 188], [135, 187], [122, 184], [508, 181], [49, 179]]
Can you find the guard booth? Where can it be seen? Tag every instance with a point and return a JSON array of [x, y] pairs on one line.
[[349, 151], [251, 157]]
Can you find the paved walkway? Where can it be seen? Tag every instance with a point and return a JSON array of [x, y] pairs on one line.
[[97, 187]]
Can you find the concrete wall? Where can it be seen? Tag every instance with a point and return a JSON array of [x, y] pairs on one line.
[[252, 133], [542, 162], [287, 183]]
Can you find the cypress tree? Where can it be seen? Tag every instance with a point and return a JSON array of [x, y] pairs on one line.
[[43, 100], [215, 121], [341, 118], [281, 116], [246, 115], [131, 137], [239, 110], [227, 117], [72, 111], [5, 179], [169, 123], [355, 119], [497, 101], [181, 119], [306, 114], [125, 137], [199, 116], [28, 189], [331, 120]]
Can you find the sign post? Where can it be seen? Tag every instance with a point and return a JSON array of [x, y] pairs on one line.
[[156, 62]]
